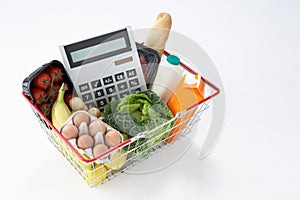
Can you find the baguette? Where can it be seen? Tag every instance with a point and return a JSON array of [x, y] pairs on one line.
[[159, 33]]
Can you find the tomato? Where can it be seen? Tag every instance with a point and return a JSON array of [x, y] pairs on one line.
[[68, 97], [143, 62], [53, 92], [55, 73], [43, 80], [39, 95]]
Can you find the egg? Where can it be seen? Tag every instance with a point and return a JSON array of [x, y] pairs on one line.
[[85, 142], [69, 131], [97, 126], [112, 138], [80, 117], [99, 149]]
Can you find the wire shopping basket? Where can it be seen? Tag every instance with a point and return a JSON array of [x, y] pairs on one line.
[[133, 150]]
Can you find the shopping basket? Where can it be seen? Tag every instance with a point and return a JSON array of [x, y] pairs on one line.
[[131, 151]]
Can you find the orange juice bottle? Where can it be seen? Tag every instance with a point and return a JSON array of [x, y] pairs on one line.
[[186, 94]]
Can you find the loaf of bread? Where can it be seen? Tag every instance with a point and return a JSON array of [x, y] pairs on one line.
[[159, 33]]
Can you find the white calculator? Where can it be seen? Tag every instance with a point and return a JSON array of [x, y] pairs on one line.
[[104, 68]]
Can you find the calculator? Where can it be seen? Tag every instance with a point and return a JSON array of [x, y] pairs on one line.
[[104, 68]]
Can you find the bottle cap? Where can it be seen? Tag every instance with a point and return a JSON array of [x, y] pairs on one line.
[[190, 79], [172, 59]]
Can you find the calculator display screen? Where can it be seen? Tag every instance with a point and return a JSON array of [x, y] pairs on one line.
[[98, 48]]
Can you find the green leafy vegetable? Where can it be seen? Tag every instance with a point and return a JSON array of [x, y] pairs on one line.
[[140, 112]]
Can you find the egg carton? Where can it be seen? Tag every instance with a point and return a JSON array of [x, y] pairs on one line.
[[84, 128]]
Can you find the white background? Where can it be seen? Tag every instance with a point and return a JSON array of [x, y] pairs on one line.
[[255, 46]]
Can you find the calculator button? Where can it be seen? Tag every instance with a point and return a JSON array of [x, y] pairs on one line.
[[87, 97], [122, 86], [84, 87], [110, 90], [131, 73], [133, 82], [99, 93], [108, 80], [137, 90], [96, 84], [124, 94], [115, 97], [101, 102], [120, 76], [90, 105]]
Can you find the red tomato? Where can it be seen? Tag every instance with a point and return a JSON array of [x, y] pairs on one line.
[[53, 92], [39, 95], [143, 62], [68, 97], [55, 73], [43, 80]]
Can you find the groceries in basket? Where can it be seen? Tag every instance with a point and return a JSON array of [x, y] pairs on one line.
[[114, 101]]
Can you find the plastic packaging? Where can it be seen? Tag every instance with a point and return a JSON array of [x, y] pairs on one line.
[[150, 60], [168, 76]]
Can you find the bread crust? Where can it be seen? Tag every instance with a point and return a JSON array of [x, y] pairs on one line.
[[159, 33]]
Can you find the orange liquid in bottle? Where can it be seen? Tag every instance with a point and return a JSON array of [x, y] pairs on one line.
[[184, 96]]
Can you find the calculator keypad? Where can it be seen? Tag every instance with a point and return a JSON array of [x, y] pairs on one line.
[[110, 88]]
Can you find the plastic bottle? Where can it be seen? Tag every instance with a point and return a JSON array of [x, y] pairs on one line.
[[187, 94], [168, 76]]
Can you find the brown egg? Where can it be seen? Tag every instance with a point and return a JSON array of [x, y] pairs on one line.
[[85, 142], [69, 131], [99, 149], [97, 126], [80, 117], [112, 138]]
